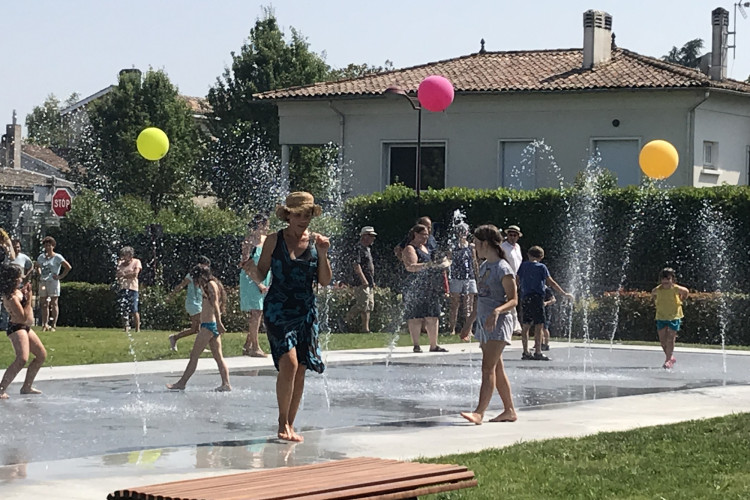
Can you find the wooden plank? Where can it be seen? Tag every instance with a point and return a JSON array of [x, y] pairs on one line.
[[274, 476], [385, 473], [343, 479], [328, 485], [390, 487]]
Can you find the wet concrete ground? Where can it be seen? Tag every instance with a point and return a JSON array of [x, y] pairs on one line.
[[86, 437]]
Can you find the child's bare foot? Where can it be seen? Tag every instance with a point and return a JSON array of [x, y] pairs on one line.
[[4, 395], [223, 388], [474, 418], [176, 387], [30, 390], [506, 416]]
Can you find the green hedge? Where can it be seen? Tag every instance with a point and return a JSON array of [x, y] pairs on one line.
[[87, 305], [95, 305], [707, 315], [690, 229]]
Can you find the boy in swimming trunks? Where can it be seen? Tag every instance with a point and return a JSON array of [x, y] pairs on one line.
[[211, 328], [17, 301]]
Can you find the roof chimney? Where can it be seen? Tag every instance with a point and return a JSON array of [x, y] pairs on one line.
[[597, 38], [11, 145], [719, 32]]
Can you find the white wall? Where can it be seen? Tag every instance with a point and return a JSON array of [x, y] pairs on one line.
[[724, 120], [474, 125]]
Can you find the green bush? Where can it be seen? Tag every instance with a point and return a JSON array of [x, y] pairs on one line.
[[84, 304], [691, 229], [334, 303], [87, 305], [634, 313]]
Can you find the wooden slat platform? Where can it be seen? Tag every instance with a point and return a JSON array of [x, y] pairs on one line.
[[355, 478]]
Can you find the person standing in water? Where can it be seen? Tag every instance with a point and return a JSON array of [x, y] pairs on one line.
[[252, 293], [494, 327], [17, 301], [297, 259], [211, 328], [668, 297]]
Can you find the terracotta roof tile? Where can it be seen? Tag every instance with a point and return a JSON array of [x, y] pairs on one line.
[[24, 179], [46, 155], [197, 105], [521, 71]]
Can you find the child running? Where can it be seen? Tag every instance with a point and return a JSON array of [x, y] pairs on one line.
[[18, 304], [668, 297], [211, 327], [497, 299]]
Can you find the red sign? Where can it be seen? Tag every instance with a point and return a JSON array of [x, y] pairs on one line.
[[61, 202]]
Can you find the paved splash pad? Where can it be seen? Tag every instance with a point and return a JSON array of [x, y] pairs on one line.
[[121, 416]]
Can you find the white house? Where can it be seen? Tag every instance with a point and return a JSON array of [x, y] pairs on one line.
[[597, 100]]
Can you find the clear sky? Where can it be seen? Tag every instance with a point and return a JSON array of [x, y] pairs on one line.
[[65, 46]]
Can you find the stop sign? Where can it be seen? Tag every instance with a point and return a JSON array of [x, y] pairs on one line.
[[61, 202]]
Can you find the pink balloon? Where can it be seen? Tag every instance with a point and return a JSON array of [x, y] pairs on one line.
[[435, 93]]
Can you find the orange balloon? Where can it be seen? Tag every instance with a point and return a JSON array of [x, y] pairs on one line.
[[658, 159]]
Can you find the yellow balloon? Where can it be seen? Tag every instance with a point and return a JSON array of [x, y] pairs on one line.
[[152, 143], [658, 159]]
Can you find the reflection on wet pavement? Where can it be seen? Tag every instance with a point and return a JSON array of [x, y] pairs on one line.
[[106, 416]]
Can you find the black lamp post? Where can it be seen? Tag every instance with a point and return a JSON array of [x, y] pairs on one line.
[[394, 89]]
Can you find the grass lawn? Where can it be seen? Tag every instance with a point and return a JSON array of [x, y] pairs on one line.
[[82, 346], [692, 460]]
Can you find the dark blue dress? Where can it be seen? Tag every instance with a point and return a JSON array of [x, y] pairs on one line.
[[289, 310]]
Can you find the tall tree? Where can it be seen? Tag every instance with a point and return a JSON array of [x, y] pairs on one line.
[[107, 154], [45, 125], [687, 55], [267, 61]]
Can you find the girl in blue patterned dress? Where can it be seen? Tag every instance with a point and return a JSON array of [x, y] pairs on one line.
[[297, 260]]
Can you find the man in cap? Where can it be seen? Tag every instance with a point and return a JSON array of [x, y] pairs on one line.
[[364, 279], [514, 257]]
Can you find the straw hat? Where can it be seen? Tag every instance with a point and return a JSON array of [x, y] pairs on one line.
[[516, 229], [368, 230], [297, 202]]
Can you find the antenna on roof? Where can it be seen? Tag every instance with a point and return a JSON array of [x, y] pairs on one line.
[[741, 7], [481, 50]]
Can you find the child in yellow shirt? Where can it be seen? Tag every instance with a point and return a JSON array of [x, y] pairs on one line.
[[668, 297]]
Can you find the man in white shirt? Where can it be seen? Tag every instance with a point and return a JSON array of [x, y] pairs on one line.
[[514, 257]]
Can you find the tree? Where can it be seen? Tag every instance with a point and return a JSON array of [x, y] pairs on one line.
[[265, 62], [688, 55], [243, 172], [358, 70], [107, 156], [45, 125]]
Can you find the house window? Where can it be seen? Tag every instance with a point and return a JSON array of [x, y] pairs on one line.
[[402, 160], [619, 156], [710, 155], [517, 164]]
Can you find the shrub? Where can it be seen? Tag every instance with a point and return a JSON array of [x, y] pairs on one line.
[[87, 305], [707, 315]]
